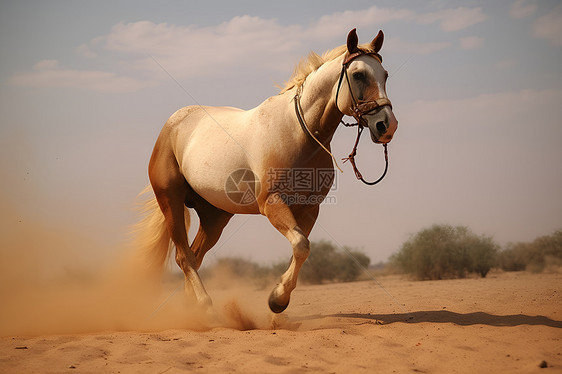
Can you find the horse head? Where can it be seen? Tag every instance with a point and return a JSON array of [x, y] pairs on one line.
[[363, 94]]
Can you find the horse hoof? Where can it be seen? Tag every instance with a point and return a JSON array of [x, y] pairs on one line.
[[274, 306]]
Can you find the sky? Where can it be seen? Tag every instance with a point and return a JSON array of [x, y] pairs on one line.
[[85, 88]]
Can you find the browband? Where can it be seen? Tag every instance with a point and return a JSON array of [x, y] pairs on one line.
[[354, 55]]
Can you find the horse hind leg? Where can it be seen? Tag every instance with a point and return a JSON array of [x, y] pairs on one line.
[[212, 221], [171, 191]]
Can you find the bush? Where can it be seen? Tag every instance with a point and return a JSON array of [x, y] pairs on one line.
[[534, 256], [238, 267], [482, 254], [328, 264], [324, 264], [444, 251], [514, 257]]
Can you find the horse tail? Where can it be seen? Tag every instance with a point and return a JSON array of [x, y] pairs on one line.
[[152, 238]]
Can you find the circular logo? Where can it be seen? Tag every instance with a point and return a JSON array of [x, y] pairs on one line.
[[242, 187]]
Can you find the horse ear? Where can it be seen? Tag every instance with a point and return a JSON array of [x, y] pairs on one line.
[[377, 41], [352, 41]]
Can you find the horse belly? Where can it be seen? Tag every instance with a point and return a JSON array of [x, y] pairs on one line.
[[215, 163]]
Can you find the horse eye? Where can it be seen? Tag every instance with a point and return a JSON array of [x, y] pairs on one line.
[[359, 76]]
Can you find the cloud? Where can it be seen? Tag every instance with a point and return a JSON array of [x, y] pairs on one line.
[[242, 42], [339, 23], [239, 35], [47, 75], [522, 9], [454, 19], [187, 51], [549, 27], [397, 45], [240, 38], [474, 117], [246, 40], [471, 42], [85, 51], [45, 65]]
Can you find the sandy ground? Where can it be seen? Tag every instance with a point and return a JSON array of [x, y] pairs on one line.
[[505, 323]]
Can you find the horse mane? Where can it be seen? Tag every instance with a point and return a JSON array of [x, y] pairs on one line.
[[313, 61]]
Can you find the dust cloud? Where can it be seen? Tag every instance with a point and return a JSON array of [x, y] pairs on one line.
[[48, 285]]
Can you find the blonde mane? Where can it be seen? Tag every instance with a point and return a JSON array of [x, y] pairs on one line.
[[313, 61]]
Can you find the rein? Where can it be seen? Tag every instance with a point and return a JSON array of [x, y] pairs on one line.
[[300, 117], [358, 109], [351, 157]]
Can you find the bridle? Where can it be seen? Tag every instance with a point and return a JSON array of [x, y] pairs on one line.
[[359, 108]]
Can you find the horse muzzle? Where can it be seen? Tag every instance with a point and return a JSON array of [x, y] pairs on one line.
[[382, 124]]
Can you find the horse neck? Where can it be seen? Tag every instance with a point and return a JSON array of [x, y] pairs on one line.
[[321, 114]]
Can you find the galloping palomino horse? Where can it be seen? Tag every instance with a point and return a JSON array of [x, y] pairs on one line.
[[202, 152]]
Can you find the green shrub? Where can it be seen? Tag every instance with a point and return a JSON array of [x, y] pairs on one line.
[[444, 251], [482, 254]]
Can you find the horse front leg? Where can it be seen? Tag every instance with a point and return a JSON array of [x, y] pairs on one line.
[[296, 229]]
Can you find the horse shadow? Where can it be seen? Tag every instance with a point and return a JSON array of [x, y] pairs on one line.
[[445, 316]]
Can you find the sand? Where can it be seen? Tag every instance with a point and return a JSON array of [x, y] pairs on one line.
[[505, 323]]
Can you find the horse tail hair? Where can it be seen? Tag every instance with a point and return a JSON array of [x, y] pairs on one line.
[[152, 238]]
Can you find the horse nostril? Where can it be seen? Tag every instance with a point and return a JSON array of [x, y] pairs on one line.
[[381, 127]]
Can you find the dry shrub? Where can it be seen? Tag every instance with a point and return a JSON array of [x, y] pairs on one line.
[[536, 256], [326, 263]]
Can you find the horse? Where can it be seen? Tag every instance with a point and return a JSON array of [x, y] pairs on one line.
[[221, 161]]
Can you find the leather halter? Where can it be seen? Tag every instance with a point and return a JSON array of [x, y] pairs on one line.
[[358, 109]]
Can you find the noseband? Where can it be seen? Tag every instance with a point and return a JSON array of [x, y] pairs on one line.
[[359, 109]]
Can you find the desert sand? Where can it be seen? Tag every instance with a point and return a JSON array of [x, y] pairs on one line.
[[505, 323]]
